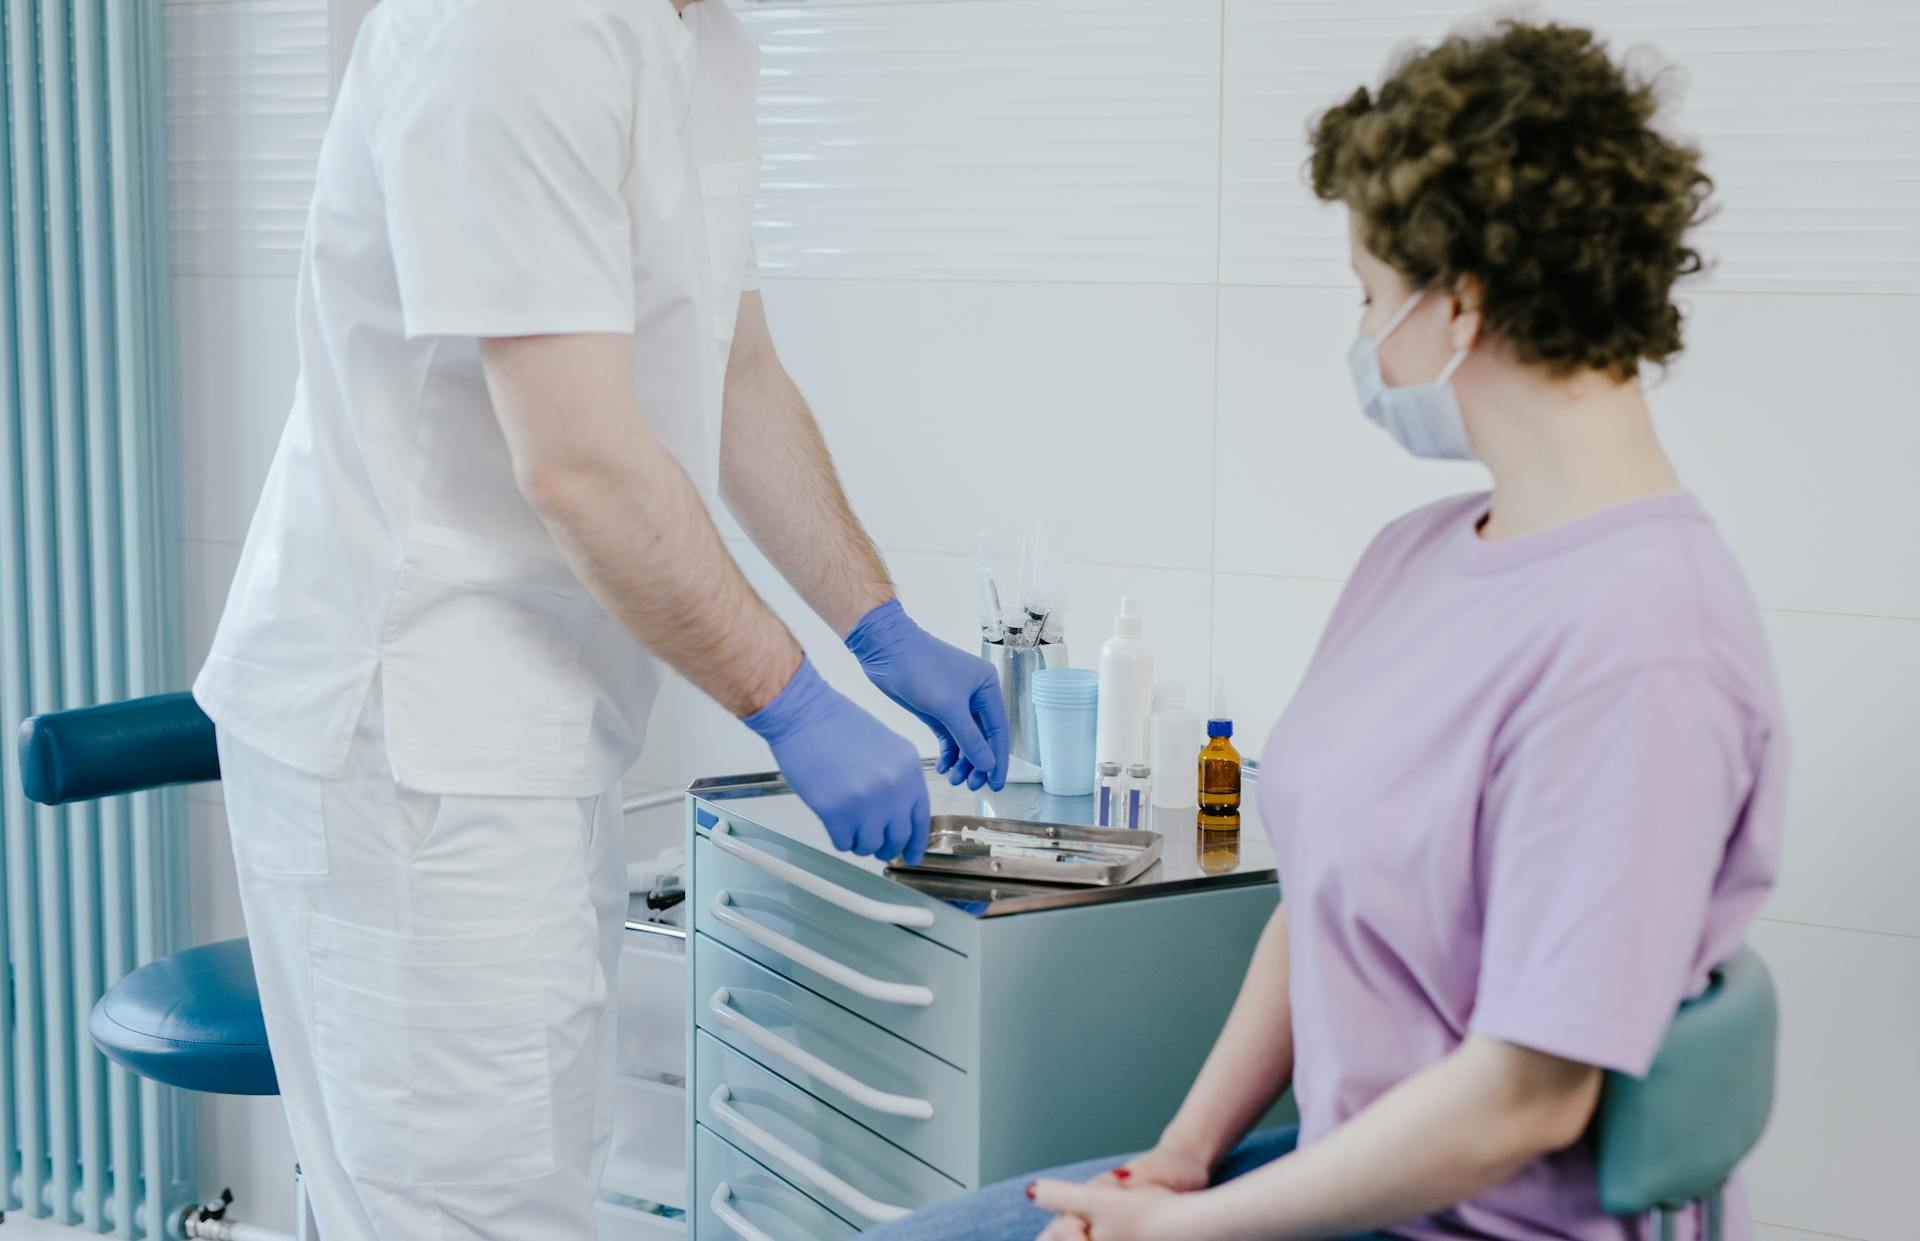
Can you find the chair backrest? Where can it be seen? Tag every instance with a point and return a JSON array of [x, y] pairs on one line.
[[1677, 1134], [117, 747]]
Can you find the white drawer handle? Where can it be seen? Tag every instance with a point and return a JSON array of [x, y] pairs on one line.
[[866, 907], [906, 1106], [730, 915], [723, 1211], [799, 1165]]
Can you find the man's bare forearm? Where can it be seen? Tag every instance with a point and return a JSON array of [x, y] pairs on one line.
[[628, 520], [778, 479], [638, 536]]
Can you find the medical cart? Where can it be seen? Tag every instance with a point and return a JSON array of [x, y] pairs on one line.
[[861, 1041]]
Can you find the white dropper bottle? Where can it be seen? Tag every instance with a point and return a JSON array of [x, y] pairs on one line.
[[1177, 735], [1126, 692]]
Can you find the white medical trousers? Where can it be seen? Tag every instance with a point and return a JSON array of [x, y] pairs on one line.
[[437, 975]]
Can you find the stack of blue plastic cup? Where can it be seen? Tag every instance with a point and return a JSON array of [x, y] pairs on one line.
[[1065, 704]]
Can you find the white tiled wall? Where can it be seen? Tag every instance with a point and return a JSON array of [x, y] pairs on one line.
[[1056, 256], [248, 88]]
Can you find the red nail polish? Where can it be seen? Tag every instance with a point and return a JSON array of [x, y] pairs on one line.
[[1121, 1174], [1029, 1191]]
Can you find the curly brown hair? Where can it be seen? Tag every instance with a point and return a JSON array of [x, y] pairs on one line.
[[1525, 160]]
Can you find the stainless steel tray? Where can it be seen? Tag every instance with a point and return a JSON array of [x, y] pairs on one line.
[[1002, 849]]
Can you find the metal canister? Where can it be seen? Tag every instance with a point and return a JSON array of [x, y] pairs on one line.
[[1016, 665]]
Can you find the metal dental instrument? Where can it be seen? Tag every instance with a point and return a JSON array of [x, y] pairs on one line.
[[992, 626]]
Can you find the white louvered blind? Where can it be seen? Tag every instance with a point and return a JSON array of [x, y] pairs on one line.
[[248, 89], [1102, 139], [1156, 140], [989, 139], [1809, 115]]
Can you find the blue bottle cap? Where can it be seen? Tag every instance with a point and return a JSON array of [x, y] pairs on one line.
[[1219, 728]]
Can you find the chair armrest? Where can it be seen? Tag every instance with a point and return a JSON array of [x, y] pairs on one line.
[[116, 747]]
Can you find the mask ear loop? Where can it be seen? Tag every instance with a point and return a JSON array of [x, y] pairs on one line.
[[1399, 317], [1453, 363]]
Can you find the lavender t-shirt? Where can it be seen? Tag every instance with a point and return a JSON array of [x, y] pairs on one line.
[[1529, 790]]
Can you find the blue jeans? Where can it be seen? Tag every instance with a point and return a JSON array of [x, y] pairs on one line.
[[1002, 1213]]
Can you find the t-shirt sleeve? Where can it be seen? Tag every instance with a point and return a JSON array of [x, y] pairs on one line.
[[1605, 823], [501, 162]]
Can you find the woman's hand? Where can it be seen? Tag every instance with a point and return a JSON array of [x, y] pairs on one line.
[[1102, 1212], [1165, 1166]]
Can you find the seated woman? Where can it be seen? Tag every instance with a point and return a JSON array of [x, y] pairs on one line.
[[1529, 791]]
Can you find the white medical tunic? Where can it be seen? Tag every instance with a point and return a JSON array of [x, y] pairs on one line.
[[492, 168]]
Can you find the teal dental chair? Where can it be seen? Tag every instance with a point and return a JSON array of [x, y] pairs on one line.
[[1671, 1140], [191, 1020]]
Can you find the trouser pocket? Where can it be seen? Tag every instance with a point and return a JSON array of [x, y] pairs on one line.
[[432, 1053], [276, 815]]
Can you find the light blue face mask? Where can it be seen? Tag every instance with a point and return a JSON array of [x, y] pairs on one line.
[[1425, 418]]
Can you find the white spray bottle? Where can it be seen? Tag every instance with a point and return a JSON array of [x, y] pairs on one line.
[[1126, 692]]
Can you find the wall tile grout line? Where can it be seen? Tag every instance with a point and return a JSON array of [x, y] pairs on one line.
[[1830, 926], [210, 274], [779, 275], [1881, 616], [1219, 319], [1252, 575], [736, 541], [1220, 171], [1807, 1232]]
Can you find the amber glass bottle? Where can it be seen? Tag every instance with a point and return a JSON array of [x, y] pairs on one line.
[[1219, 770]]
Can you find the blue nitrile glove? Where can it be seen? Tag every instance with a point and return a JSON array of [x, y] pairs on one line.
[[955, 694], [863, 779]]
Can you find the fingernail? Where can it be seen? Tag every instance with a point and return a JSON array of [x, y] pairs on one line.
[[1121, 1174], [1030, 1185]]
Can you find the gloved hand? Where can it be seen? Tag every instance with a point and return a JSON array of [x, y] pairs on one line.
[[863, 779], [955, 694]]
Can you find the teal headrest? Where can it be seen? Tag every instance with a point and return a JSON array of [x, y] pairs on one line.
[[1677, 1134]]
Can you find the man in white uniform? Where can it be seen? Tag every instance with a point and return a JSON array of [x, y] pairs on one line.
[[526, 297]]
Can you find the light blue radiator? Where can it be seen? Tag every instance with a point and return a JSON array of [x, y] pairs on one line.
[[88, 554]]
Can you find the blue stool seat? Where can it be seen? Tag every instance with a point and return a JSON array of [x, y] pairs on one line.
[[191, 1020]]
